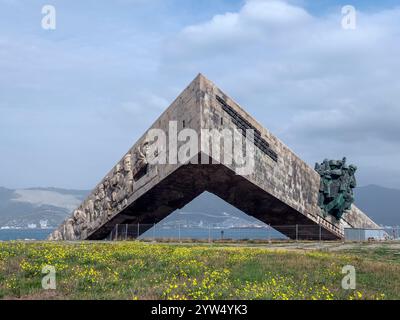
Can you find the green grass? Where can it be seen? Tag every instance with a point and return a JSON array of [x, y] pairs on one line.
[[135, 270], [381, 253]]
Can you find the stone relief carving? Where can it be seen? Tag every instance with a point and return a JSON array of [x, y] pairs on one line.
[[56, 235], [109, 197], [128, 174], [69, 231], [107, 203], [117, 192], [141, 160]]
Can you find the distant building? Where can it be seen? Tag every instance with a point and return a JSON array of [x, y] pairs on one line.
[[43, 224]]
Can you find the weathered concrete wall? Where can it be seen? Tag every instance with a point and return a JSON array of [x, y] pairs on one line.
[[289, 179]]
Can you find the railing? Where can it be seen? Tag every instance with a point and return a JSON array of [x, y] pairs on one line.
[[183, 232]]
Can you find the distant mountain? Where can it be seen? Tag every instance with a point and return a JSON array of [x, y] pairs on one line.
[[23, 207], [210, 210], [379, 203]]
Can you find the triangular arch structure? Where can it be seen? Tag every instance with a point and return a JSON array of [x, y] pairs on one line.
[[280, 189]]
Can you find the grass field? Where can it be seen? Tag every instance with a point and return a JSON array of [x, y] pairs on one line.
[[136, 270]]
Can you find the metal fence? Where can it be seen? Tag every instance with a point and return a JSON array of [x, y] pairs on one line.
[[182, 232]]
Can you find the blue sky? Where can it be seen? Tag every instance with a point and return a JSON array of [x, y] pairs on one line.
[[74, 99]]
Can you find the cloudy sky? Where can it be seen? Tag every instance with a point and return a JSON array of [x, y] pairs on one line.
[[74, 99]]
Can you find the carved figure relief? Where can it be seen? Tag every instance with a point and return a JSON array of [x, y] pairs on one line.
[[109, 197]]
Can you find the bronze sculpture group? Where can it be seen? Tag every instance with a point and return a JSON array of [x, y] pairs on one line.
[[336, 188]]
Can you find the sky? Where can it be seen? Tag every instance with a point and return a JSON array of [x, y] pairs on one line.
[[73, 100]]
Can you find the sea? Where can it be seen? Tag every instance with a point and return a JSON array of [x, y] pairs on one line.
[[24, 234]]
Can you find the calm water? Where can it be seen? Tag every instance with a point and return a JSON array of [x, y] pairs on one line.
[[24, 234]]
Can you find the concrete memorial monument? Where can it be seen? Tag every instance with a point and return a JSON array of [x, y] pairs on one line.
[[204, 141]]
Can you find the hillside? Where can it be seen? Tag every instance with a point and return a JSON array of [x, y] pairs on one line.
[[381, 204], [22, 207]]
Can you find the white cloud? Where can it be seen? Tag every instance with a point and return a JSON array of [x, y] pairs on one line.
[[324, 90], [256, 20], [105, 75]]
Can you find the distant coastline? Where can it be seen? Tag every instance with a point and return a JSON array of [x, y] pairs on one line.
[[24, 234]]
